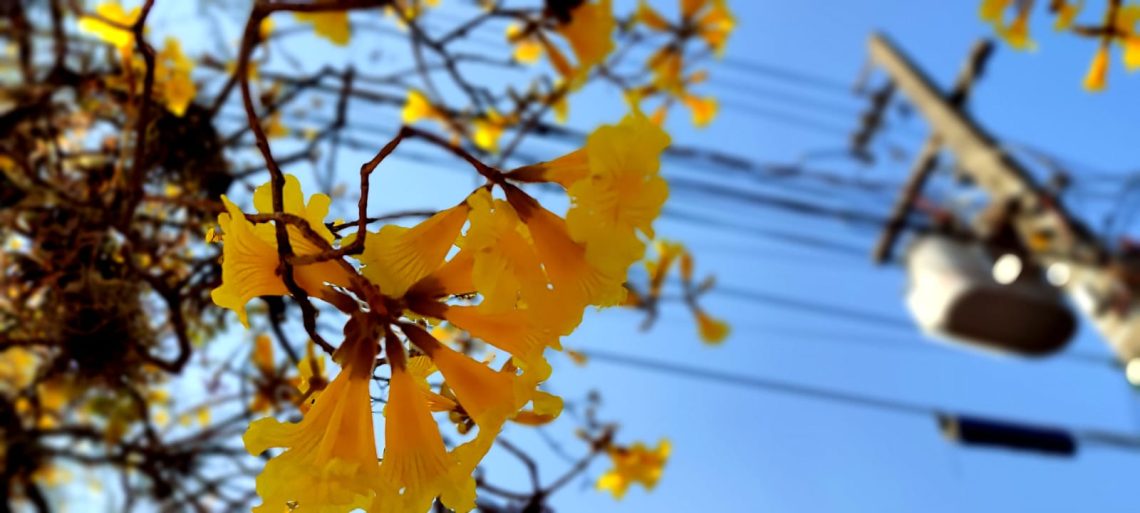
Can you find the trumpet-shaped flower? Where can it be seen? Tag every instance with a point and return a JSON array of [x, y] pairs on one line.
[[623, 191], [590, 34], [1097, 75], [396, 257], [416, 467], [249, 252], [418, 107], [581, 272], [712, 330], [329, 463], [487, 396], [506, 269], [636, 464]]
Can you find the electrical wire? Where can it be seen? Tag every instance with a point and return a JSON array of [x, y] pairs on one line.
[[1121, 441]]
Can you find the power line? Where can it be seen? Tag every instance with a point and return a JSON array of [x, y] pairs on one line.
[[767, 384], [790, 75], [816, 308], [1124, 442], [806, 241]]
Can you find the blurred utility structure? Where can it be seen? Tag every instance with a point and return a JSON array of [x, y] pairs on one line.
[[996, 280]]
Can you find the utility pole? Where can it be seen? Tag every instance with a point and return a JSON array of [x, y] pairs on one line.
[[1097, 281]]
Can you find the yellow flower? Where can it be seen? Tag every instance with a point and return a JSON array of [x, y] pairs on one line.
[[545, 407], [650, 17], [716, 25], [1132, 53], [993, 11], [329, 464], [712, 331], [108, 33], [17, 369], [564, 170], [1126, 19], [636, 464], [1066, 13], [487, 396], [265, 29], [395, 258], [416, 467], [331, 25], [666, 67], [1017, 33], [452, 278], [418, 107], [581, 272], [506, 269], [274, 128], [690, 8], [1098, 70], [590, 34], [172, 77], [263, 354], [527, 49], [704, 109], [249, 252], [624, 191], [488, 130], [522, 333]]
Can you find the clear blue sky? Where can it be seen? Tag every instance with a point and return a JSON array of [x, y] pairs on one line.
[[744, 449]]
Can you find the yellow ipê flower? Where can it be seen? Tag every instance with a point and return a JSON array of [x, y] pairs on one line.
[[172, 77], [249, 252], [506, 270], [635, 464], [590, 34], [417, 467], [993, 11], [624, 191], [1066, 13], [331, 25], [418, 107], [716, 25], [588, 270], [1097, 75], [649, 16], [489, 128], [712, 331], [330, 462], [528, 49], [1016, 34], [1126, 19], [17, 369], [395, 258], [111, 11], [703, 108]]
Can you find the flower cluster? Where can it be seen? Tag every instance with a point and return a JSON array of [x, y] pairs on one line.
[[634, 464], [1119, 27], [498, 266], [709, 21], [173, 86]]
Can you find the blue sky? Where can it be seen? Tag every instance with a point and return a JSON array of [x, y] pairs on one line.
[[737, 448]]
